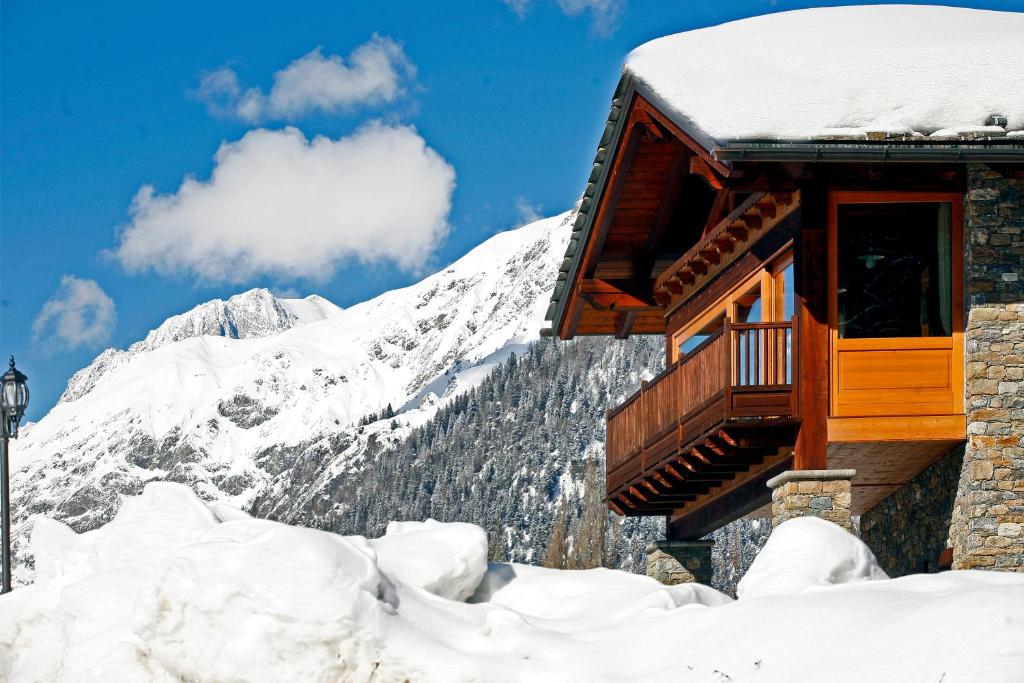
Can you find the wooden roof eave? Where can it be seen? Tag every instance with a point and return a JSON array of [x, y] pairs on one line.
[[630, 100]]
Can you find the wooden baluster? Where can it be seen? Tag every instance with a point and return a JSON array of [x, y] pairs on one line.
[[727, 369], [644, 412]]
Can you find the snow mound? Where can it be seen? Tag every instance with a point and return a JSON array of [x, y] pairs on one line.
[[806, 552], [448, 560], [841, 72], [170, 590], [586, 595]]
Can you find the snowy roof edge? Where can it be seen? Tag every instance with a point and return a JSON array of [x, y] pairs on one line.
[[963, 150], [610, 137]]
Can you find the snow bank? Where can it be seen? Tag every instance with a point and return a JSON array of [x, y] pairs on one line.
[[170, 590], [807, 552], [841, 72], [448, 560]]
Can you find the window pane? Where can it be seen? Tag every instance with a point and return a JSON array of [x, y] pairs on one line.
[[895, 270], [785, 281], [692, 343], [702, 335], [748, 308]]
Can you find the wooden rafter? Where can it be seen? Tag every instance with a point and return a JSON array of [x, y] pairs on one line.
[[625, 324], [699, 166], [723, 244], [607, 295], [643, 122]]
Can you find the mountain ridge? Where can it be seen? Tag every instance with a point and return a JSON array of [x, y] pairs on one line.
[[211, 395]]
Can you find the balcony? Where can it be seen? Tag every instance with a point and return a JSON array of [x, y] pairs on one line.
[[719, 413]]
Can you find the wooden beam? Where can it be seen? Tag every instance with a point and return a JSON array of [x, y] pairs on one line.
[[674, 285], [604, 212], [700, 167], [705, 154], [729, 505], [810, 258], [607, 295], [625, 324], [674, 472], [724, 436], [719, 208], [685, 463]]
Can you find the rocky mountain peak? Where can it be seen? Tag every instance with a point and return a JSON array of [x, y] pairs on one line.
[[251, 314]]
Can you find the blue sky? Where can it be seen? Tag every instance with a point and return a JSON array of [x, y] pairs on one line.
[[102, 99]]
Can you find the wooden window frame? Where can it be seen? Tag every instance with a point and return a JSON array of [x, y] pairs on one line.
[[953, 342]]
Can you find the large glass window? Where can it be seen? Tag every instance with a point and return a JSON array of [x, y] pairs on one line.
[[895, 270]]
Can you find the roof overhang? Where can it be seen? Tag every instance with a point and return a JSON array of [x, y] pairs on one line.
[[633, 101], [630, 111]]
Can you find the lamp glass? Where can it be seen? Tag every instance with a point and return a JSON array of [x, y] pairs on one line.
[[10, 394]]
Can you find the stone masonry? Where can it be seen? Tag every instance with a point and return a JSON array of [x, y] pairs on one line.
[[812, 493], [987, 529], [909, 530], [674, 562]]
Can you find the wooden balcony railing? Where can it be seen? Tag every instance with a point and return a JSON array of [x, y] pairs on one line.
[[742, 372]]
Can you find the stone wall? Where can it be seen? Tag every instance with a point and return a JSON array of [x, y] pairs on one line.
[[988, 517], [909, 530], [812, 493], [675, 562]]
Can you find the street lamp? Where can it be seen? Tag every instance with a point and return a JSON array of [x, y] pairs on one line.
[[13, 401]]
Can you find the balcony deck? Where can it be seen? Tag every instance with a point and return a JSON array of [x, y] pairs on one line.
[[721, 413]]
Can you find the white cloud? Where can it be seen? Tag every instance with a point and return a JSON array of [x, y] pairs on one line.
[[526, 212], [518, 6], [79, 314], [604, 14], [278, 204], [377, 72]]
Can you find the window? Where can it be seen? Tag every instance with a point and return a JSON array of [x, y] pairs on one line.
[[697, 338], [895, 303], [748, 307], [895, 271]]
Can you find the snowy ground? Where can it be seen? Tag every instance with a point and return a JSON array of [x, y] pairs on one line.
[[174, 589]]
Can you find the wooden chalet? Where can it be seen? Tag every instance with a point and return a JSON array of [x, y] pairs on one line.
[[811, 297]]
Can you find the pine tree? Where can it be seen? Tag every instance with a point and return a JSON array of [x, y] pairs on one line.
[[589, 547], [557, 550], [495, 542]]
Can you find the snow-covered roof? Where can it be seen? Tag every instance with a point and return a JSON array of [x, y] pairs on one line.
[[841, 73]]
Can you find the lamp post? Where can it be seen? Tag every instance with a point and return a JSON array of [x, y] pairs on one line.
[[13, 401]]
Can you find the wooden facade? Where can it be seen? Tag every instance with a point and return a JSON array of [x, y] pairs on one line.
[[771, 362]]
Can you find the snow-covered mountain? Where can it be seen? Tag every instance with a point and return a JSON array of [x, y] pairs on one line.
[[256, 313], [213, 396]]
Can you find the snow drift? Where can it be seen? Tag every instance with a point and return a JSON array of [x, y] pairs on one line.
[[174, 589]]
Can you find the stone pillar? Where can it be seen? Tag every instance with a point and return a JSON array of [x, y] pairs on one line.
[[812, 493], [987, 529], [673, 562]]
